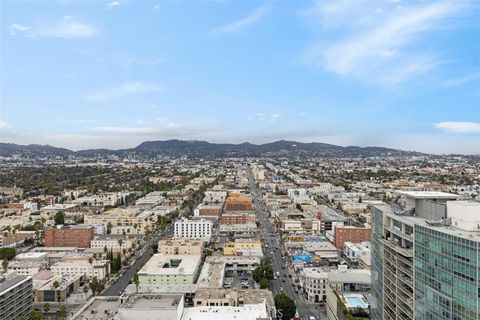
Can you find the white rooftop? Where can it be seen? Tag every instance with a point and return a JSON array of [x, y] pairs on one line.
[[247, 312], [428, 194], [160, 264]]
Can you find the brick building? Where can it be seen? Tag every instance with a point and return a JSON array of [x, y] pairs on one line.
[[237, 218], [351, 234], [238, 202], [66, 237]]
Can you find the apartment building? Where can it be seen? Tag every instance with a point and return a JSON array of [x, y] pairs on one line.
[[98, 268], [16, 297], [180, 247], [425, 251], [193, 229], [208, 210], [69, 237], [170, 269], [215, 196], [115, 244], [237, 218], [238, 202]]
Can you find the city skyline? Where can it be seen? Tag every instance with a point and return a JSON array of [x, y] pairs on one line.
[[112, 74]]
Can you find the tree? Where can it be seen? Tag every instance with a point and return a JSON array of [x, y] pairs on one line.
[[59, 218], [56, 284], [261, 272], [7, 253], [264, 283], [62, 311], [90, 260], [35, 315], [46, 307], [96, 286], [5, 265], [136, 281], [286, 305], [85, 290]]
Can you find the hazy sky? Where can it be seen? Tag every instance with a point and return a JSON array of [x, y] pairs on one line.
[[403, 74]]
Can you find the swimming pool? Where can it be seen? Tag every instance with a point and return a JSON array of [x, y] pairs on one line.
[[355, 302]]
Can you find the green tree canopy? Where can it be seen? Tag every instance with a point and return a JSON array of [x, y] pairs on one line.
[[59, 218], [286, 305]]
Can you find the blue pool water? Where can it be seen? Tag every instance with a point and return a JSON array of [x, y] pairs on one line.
[[355, 302]]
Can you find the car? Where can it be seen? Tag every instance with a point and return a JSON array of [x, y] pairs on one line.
[[283, 280], [281, 288], [312, 318], [284, 275]]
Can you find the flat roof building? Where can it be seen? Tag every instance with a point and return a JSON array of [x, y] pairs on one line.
[[166, 269], [16, 297]]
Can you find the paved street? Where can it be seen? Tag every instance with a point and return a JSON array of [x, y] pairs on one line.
[[116, 288], [274, 251]]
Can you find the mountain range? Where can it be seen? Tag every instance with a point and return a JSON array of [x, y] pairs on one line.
[[205, 149]]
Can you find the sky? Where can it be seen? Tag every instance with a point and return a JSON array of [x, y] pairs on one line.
[[111, 74]]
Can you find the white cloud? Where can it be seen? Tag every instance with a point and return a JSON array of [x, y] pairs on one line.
[[67, 28], [3, 124], [462, 80], [156, 7], [124, 90], [162, 119], [16, 28], [172, 125], [262, 117], [459, 127], [251, 19], [76, 120], [113, 4], [130, 61], [302, 114], [380, 49], [130, 130]]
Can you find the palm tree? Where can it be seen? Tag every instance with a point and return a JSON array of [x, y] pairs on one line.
[[85, 290], [5, 265], [35, 315], [46, 307], [56, 284], [62, 311], [136, 281]]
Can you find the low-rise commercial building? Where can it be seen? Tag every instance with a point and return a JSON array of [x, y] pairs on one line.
[[351, 234], [237, 218], [314, 281], [244, 247]]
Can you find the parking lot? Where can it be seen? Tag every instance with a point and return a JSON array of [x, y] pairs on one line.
[[241, 280]]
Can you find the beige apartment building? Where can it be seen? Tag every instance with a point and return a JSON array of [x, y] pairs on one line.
[[180, 247]]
